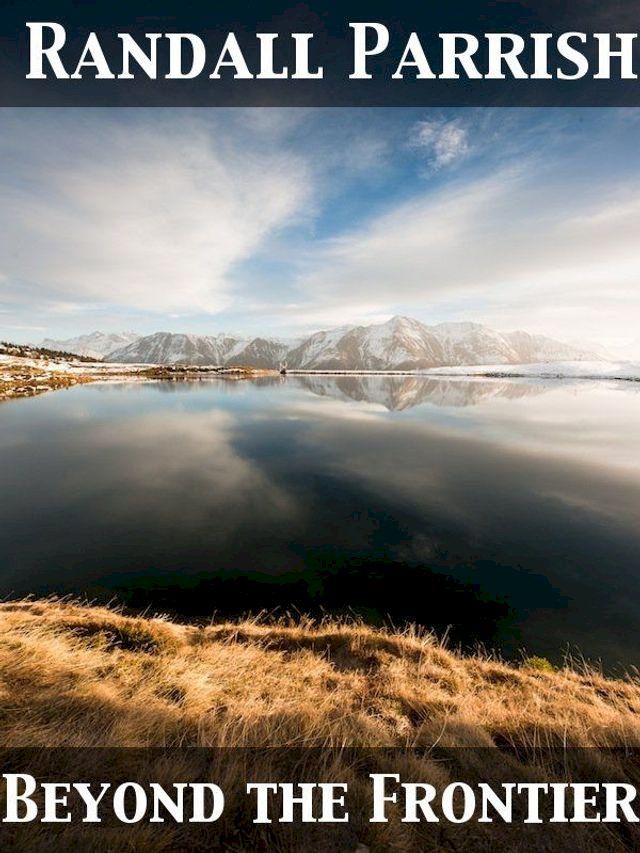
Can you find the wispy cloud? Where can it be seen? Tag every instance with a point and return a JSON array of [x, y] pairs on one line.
[[285, 221], [146, 215], [502, 249], [441, 142]]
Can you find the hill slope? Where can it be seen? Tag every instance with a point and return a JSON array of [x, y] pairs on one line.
[[251, 684]]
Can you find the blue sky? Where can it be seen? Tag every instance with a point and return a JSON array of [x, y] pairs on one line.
[[279, 221]]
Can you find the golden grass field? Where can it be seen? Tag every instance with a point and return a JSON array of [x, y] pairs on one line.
[[75, 675], [152, 682]]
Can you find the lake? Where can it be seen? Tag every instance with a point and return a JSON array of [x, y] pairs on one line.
[[504, 513]]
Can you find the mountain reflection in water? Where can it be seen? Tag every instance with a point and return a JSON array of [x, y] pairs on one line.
[[507, 510], [397, 393]]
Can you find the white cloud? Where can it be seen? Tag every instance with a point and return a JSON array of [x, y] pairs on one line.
[[144, 216], [442, 142], [107, 218], [509, 250]]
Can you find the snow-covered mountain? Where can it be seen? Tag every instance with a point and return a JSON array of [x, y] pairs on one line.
[[169, 348], [399, 344], [261, 352], [603, 352], [405, 344], [95, 345]]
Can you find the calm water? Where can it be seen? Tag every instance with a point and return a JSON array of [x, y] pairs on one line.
[[507, 510]]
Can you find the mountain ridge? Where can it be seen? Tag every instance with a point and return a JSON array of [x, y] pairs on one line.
[[401, 343], [95, 345]]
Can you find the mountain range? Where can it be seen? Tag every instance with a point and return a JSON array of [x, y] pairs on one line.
[[95, 345], [401, 343]]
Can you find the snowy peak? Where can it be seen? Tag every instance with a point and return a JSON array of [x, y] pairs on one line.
[[260, 352], [95, 345], [223, 349], [170, 348], [400, 343], [403, 343]]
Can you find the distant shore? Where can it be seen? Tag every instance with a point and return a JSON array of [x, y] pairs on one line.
[[301, 371], [28, 371]]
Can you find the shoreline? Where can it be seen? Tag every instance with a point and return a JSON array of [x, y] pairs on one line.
[[28, 376], [31, 373]]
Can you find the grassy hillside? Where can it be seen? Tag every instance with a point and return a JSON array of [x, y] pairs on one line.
[[74, 675], [153, 682]]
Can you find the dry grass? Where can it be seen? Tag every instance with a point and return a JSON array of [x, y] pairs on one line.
[[19, 377], [74, 675], [151, 682], [27, 381]]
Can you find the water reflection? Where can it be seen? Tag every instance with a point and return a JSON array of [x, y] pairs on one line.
[[507, 510], [397, 393]]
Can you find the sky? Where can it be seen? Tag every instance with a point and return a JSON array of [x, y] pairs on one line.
[[285, 221]]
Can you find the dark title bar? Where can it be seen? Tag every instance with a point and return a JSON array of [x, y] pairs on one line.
[[347, 799], [499, 53]]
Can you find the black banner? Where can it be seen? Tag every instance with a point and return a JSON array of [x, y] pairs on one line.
[[319, 54], [340, 799]]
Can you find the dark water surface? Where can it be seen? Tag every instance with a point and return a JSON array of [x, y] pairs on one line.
[[507, 510]]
